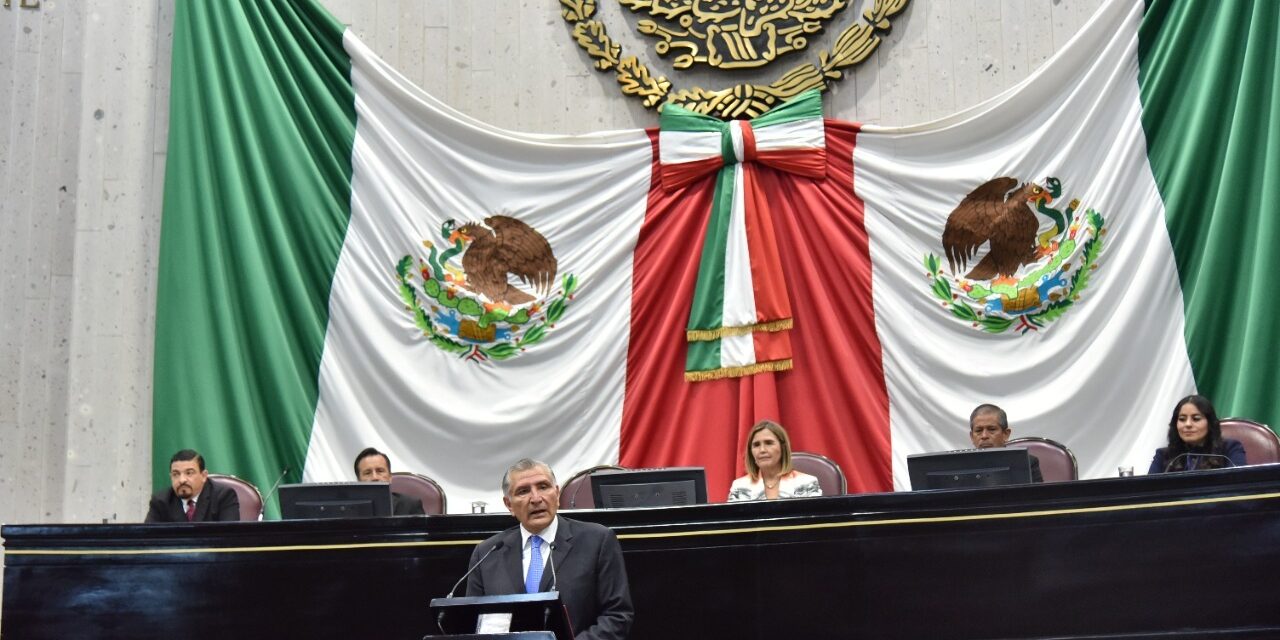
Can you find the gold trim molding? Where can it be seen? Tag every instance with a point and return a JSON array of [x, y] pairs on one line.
[[853, 46]]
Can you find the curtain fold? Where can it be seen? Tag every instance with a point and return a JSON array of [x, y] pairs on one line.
[[1209, 75], [257, 193]]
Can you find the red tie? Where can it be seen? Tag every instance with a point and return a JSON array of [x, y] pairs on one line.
[[191, 510]]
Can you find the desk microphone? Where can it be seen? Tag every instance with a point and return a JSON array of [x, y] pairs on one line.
[[440, 616], [551, 560], [1198, 455], [272, 492]]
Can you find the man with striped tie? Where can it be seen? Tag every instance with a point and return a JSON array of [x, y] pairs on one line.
[[581, 560]]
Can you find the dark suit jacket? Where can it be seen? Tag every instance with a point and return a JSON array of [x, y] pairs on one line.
[[402, 505], [590, 573], [1232, 449], [215, 504]]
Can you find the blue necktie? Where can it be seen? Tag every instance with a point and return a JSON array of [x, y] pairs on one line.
[[535, 565]]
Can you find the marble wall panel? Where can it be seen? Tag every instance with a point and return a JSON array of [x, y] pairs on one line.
[[434, 58], [8, 76], [116, 218], [17, 212], [33, 408], [42, 213], [33, 335], [53, 459], [410, 16], [386, 32], [161, 81]]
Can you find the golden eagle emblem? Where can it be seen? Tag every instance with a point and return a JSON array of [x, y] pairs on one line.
[[731, 34]]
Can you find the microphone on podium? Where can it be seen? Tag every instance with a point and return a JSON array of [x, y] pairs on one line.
[[551, 560], [1195, 459], [274, 487], [440, 617]]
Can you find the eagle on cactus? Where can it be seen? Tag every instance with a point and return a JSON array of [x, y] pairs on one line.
[[504, 245], [999, 213]]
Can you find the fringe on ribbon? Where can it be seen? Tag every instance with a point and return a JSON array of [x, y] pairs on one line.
[[737, 372], [706, 335]]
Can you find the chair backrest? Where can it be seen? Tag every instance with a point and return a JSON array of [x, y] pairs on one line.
[[1057, 462], [248, 495], [830, 476], [576, 492], [1261, 445], [423, 488]]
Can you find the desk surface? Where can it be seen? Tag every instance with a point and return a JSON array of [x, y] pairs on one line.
[[1128, 557]]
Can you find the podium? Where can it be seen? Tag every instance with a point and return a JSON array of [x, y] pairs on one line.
[[514, 635], [533, 616]]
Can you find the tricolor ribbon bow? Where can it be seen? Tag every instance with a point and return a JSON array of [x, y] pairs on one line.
[[741, 314]]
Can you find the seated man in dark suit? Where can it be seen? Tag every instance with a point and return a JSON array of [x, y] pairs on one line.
[[989, 427], [374, 466], [193, 497], [585, 560]]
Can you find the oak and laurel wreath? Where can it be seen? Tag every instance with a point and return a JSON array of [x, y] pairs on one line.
[[854, 45], [941, 286], [432, 289]]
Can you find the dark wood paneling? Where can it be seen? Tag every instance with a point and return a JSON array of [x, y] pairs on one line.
[[1100, 558]]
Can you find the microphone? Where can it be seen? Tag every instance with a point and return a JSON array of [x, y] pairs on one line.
[[440, 617], [272, 492], [551, 560], [1198, 455]]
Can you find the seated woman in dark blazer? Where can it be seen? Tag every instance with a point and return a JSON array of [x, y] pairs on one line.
[[1195, 440]]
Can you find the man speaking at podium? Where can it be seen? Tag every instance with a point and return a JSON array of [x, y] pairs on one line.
[[581, 560]]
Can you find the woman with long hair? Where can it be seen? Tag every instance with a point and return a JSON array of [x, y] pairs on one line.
[[769, 472], [1195, 440]]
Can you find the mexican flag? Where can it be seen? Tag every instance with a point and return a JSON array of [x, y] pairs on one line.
[[347, 262]]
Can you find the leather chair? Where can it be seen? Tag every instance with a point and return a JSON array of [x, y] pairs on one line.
[[248, 495], [1057, 462], [830, 476], [1261, 445], [576, 492], [423, 488]]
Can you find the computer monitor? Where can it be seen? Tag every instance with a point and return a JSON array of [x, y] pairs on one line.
[[624, 489], [335, 500], [969, 468]]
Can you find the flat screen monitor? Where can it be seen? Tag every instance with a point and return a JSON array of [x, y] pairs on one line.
[[969, 468], [625, 489], [335, 500]]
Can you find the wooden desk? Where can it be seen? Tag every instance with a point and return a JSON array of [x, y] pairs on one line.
[[1126, 557]]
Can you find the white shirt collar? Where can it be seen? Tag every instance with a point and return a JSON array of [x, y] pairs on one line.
[[548, 534]]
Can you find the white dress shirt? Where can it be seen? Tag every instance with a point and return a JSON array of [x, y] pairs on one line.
[[548, 536]]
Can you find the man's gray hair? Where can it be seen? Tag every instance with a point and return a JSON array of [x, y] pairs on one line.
[[525, 464], [1002, 418]]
